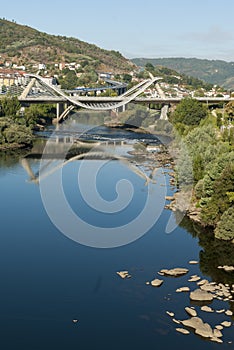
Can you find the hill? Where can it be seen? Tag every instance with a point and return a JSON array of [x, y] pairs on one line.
[[23, 45], [212, 71]]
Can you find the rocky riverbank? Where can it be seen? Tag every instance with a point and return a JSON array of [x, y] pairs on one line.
[[198, 295], [181, 201]]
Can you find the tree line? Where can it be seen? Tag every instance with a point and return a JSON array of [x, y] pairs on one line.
[[16, 128], [209, 142]]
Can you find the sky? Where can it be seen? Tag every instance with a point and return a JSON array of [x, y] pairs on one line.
[[136, 28]]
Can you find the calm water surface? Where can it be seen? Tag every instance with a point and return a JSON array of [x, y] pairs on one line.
[[48, 280]]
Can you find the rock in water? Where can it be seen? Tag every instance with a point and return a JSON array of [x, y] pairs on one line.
[[217, 333], [156, 283], [226, 324], [200, 283], [171, 314], [229, 313], [219, 327], [207, 309], [217, 340], [183, 289], [201, 295], [191, 311], [220, 311], [178, 271], [208, 287], [182, 330], [176, 321], [123, 274], [201, 328], [194, 278]]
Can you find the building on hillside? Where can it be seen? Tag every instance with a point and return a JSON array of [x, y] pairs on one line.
[[41, 66], [10, 77], [105, 75], [18, 67], [50, 80]]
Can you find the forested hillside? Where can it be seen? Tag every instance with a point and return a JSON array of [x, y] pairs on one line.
[[212, 71]]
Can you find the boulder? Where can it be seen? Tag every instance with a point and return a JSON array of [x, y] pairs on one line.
[[183, 289], [123, 274], [228, 268], [226, 324], [182, 330], [201, 295], [217, 340], [219, 327], [156, 283], [178, 271], [208, 287], [176, 321], [191, 311], [200, 283], [169, 198], [194, 279], [207, 309], [217, 333], [193, 322], [171, 314], [200, 328], [204, 331], [229, 313]]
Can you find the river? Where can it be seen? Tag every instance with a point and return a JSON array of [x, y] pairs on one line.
[[64, 237]]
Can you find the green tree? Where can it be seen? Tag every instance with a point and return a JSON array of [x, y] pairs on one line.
[[34, 112], [17, 134], [10, 107], [225, 227], [229, 109], [219, 120], [189, 112], [127, 78], [184, 166], [69, 80], [219, 201], [149, 67]]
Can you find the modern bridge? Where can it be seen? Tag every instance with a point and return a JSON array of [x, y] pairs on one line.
[[38, 90]]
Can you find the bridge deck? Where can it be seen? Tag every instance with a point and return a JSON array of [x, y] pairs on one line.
[[91, 99]]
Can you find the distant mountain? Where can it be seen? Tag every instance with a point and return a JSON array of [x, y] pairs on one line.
[[212, 71], [23, 45]]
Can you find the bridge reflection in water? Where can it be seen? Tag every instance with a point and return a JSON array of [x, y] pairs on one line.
[[60, 151]]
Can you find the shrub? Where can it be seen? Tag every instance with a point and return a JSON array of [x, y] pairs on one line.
[[225, 227]]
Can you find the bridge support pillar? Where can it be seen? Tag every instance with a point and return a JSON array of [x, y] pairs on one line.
[[164, 113], [60, 110], [121, 109]]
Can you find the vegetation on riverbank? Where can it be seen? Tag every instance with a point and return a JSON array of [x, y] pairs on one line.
[[16, 129], [208, 142]]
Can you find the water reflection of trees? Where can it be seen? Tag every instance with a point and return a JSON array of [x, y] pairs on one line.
[[214, 252], [10, 158]]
